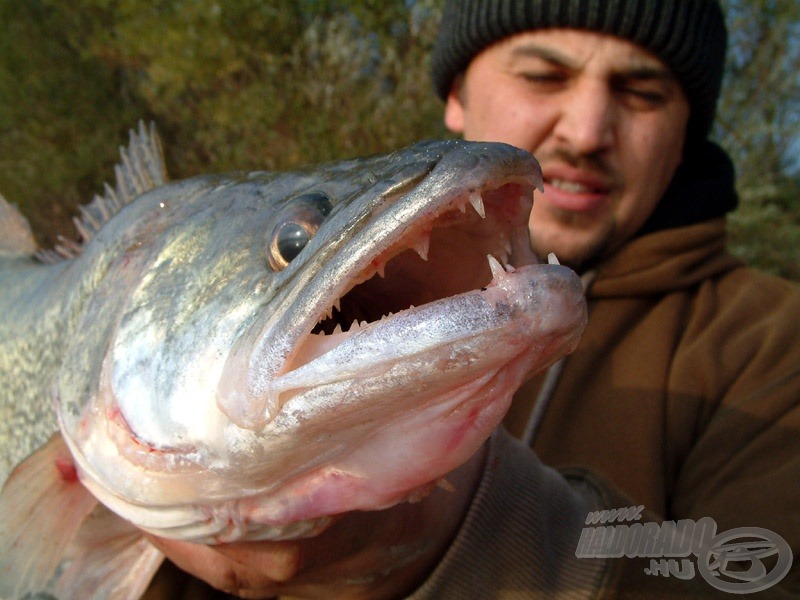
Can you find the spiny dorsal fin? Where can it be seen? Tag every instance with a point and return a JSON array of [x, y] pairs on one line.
[[16, 238], [141, 169]]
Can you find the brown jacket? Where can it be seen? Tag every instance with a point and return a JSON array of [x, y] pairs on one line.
[[685, 389], [684, 392]]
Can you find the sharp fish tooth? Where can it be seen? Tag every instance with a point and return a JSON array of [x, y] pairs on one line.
[[498, 272], [477, 203], [445, 485], [422, 246], [336, 305], [462, 208], [552, 259], [380, 269], [70, 245], [83, 230], [338, 328]]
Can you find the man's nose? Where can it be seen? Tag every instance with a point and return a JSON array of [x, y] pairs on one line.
[[587, 122]]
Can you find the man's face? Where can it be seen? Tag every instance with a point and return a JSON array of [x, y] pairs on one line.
[[605, 118]]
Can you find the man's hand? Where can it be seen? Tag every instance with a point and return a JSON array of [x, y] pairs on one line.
[[381, 554]]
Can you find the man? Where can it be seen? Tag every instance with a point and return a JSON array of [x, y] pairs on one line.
[[684, 394]]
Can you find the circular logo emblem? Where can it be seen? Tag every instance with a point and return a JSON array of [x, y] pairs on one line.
[[734, 562]]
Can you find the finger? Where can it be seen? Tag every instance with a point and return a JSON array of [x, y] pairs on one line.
[[278, 561], [217, 569]]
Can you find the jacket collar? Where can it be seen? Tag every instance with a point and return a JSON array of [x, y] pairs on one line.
[[665, 261]]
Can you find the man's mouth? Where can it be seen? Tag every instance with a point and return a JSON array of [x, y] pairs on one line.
[[586, 178], [574, 196], [573, 187]]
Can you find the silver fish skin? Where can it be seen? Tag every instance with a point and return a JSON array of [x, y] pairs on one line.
[[189, 360]]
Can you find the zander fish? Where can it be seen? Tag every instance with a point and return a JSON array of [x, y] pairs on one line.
[[244, 356]]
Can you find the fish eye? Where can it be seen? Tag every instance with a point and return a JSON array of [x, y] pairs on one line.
[[294, 226]]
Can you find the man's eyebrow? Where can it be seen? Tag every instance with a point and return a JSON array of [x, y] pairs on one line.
[[637, 69], [546, 53]]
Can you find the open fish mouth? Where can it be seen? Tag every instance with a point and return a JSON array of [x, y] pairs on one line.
[[420, 247], [437, 259]]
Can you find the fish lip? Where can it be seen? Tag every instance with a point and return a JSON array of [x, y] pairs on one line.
[[444, 200]]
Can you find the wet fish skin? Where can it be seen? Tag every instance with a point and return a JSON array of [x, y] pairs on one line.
[[192, 395], [57, 317]]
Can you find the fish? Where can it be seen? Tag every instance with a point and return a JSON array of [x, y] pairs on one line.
[[245, 356]]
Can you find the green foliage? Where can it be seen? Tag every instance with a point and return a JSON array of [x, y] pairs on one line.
[[767, 233], [244, 85], [258, 84], [759, 124], [759, 114], [59, 114]]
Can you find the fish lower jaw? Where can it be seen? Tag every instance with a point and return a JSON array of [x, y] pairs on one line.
[[442, 342], [438, 439]]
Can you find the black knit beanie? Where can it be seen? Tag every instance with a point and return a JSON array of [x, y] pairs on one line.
[[688, 35]]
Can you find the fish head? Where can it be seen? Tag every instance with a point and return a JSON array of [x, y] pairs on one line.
[[261, 352]]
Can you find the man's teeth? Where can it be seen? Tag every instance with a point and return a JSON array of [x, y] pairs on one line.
[[570, 186]]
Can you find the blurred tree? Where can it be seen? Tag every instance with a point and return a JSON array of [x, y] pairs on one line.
[[60, 111], [759, 124], [242, 85], [759, 114]]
